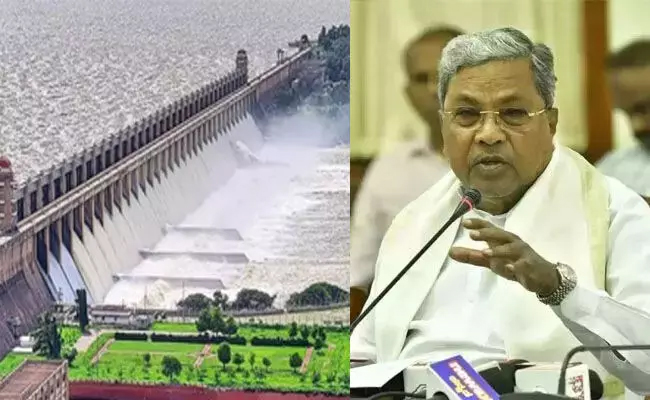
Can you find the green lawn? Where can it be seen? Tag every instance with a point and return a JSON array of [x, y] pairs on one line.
[[244, 330], [13, 360], [69, 335], [154, 347], [124, 362]]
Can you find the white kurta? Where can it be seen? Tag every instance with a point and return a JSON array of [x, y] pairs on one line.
[[458, 315]]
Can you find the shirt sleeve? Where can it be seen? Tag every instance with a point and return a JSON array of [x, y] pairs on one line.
[[620, 316], [367, 230]]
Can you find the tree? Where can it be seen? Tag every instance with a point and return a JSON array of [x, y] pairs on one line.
[[196, 302], [238, 360], [220, 300], [267, 363], [252, 299], [146, 358], [47, 337], [322, 36], [171, 367], [295, 361], [70, 354], [231, 326], [251, 360], [190, 373], [224, 354], [304, 332], [204, 321], [217, 323], [322, 293], [82, 309], [259, 375], [201, 375], [319, 336], [315, 378], [293, 330]]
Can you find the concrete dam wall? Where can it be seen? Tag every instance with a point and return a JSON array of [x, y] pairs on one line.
[[87, 222]]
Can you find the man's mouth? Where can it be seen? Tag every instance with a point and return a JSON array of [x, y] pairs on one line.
[[490, 164], [488, 160]]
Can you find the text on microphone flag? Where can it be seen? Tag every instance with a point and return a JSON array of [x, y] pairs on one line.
[[464, 380], [577, 386]]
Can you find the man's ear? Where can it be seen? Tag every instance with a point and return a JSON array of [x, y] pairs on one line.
[[552, 119]]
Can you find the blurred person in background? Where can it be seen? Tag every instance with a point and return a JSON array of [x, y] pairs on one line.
[[395, 179], [630, 84]]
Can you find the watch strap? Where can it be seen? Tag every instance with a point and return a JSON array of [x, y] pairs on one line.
[[568, 282]]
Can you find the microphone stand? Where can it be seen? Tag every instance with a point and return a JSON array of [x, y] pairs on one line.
[[470, 198], [581, 349]]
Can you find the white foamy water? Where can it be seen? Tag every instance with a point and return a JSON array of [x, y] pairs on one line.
[[74, 71], [59, 280], [114, 247], [292, 209]]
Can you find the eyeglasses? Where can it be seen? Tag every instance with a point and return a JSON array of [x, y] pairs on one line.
[[468, 117]]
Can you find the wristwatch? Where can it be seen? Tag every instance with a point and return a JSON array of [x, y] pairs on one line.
[[568, 282]]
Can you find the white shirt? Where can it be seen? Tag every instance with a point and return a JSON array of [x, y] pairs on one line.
[[455, 317], [631, 166], [463, 284], [392, 181]]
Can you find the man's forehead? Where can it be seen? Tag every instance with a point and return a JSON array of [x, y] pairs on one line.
[[630, 85], [426, 52], [498, 80]]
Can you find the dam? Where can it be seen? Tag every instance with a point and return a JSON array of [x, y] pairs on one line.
[[93, 221]]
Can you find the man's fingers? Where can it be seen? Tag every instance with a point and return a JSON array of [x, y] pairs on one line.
[[477, 223], [510, 251], [476, 257], [469, 256], [503, 269], [492, 235], [487, 232]]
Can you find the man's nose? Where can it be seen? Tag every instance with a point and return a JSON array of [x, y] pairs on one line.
[[489, 132]]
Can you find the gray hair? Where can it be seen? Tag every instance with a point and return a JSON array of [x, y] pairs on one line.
[[500, 44]]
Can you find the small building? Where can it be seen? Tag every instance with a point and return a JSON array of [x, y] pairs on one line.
[[37, 380], [25, 345], [123, 318]]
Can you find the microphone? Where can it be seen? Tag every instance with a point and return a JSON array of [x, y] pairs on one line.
[[543, 377], [596, 386], [561, 386], [502, 376], [471, 198]]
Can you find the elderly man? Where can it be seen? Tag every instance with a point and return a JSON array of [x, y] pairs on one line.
[[556, 253], [630, 81], [397, 178]]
